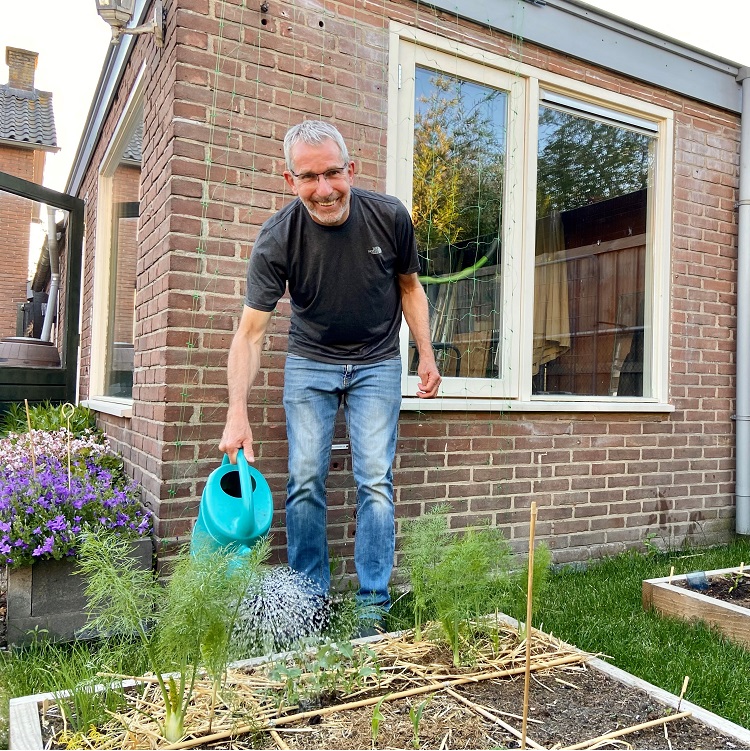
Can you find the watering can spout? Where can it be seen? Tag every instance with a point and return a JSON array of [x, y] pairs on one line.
[[236, 508]]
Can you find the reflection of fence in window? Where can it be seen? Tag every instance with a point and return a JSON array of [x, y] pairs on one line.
[[470, 324], [606, 289]]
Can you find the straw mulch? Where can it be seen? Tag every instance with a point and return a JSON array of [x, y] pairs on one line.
[[245, 711], [415, 699]]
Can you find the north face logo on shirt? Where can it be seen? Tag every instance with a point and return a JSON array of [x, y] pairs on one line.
[[376, 250]]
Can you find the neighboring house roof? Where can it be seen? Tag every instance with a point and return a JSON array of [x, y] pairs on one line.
[[134, 150], [26, 117]]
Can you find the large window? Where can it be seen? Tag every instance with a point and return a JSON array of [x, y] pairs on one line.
[[457, 203], [113, 319], [122, 260], [541, 210], [594, 178]]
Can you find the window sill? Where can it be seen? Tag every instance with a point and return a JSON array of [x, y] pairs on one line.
[[109, 406], [472, 404]]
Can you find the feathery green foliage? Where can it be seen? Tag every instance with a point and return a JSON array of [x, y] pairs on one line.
[[472, 566], [183, 626], [459, 577], [516, 603], [424, 544]]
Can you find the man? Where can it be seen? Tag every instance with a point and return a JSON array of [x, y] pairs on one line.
[[349, 259]]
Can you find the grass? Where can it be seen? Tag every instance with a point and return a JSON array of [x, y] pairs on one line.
[[600, 610], [43, 665]]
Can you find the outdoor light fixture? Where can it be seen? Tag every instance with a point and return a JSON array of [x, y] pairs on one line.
[[119, 13]]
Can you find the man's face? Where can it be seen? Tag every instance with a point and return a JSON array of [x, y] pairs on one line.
[[322, 181]]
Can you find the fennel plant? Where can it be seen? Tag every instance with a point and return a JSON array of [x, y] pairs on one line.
[[182, 626], [424, 544], [456, 578]]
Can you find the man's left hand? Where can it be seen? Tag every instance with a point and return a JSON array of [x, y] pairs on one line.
[[429, 380]]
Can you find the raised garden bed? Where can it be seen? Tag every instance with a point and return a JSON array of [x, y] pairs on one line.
[[574, 700], [674, 596]]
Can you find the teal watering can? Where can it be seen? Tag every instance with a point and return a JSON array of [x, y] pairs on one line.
[[235, 510]]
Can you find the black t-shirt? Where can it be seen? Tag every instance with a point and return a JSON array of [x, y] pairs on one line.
[[343, 280]]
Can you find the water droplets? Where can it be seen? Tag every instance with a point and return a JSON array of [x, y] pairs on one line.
[[281, 608]]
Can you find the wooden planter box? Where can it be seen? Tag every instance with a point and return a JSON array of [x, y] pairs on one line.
[[26, 733], [691, 605], [49, 596]]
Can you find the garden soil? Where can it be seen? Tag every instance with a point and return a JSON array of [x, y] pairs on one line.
[[565, 708], [726, 589]]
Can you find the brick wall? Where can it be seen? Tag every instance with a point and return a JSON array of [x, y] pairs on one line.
[[16, 215], [220, 97]]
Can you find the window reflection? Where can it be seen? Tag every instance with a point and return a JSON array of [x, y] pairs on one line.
[[591, 253], [459, 170], [125, 211]]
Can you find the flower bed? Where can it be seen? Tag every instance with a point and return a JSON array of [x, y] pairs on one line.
[[54, 487]]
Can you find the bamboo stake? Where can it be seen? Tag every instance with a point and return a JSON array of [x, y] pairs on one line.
[[68, 414], [489, 716], [627, 731], [280, 742], [31, 437], [682, 693], [529, 609], [322, 712]]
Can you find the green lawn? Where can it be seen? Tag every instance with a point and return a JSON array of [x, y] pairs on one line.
[[599, 610]]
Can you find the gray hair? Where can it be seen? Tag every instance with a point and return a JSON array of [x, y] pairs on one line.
[[313, 133]]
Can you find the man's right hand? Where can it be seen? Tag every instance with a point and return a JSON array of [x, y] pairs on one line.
[[237, 436]]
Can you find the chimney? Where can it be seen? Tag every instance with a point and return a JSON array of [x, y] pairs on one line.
[[21, 68]]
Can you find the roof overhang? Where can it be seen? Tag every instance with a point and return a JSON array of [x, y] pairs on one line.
[[611, 42], [28, 145], [106, 89]]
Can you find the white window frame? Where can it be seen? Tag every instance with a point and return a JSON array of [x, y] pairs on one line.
[[409, 46], [101, 303]]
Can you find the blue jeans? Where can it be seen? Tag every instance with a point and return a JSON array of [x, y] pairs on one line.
[[371, 395]]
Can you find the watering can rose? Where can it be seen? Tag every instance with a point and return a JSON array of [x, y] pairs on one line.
[[63, 487]]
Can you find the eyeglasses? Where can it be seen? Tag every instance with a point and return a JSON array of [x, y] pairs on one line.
[[330, 175]]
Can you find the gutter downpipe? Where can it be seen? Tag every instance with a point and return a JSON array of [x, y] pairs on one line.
[[742, 408], [54, 267]]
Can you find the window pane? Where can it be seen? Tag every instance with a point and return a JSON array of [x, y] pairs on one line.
[[32, 283], [119, 363], [593, 203], [459, 167]]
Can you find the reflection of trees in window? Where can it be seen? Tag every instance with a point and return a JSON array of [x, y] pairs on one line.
[[583, 161], [459, 136], [459, 168], [593, 179]]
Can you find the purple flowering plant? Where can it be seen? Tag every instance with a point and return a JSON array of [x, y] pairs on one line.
[[45, 505]]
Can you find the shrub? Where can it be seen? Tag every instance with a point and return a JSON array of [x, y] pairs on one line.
[[49, 417]]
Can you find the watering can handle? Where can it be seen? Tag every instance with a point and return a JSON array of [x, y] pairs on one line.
[[246, 482]]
